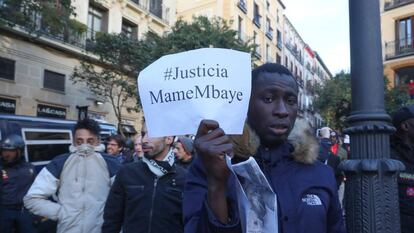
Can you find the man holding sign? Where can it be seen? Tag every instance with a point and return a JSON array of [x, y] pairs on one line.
[[305, 189]]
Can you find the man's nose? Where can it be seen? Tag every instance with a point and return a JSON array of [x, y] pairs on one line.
[[280, 109]]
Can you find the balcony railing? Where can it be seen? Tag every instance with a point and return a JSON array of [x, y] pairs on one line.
[[399, 48], [269, 33], [242, 6], [242, 36], [391, 4], [295, 52], [154, 7], [36, 27], [257, 53], [279, 43], [256, 20]]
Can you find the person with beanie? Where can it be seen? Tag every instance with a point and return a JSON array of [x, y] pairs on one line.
[[183, 151], [402, 149]]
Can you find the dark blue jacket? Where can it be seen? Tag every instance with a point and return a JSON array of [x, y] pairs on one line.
[[294, 183], [405, 153], [16, 181]]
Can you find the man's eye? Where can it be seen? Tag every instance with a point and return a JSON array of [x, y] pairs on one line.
[[292, 101], [268, 99]]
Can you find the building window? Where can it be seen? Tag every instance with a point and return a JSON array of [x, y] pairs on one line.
[[256, 15], [278, 59], [7, 68], [129, 29], [286, 61], [267, 5], [54, 81], [242, 5], [268, 59], [257, 51], [156, 8], [95, 22], [269, 29], [277, 15], [405, 36], [240, 33], [279, 39]]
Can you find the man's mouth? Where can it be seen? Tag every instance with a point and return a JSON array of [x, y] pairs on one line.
[[146, 149], [279, 129]]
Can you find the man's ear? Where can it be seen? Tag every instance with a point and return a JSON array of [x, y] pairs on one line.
[[404, 126], [169, 140]]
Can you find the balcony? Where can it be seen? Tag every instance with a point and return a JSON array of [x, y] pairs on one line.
[[241, 36], [399, 48], [242, 6], [295, 52], [269, 33], [391, 4], [152, 6], [257, 53], [36, 28], [300, 81], [256, 20], [279, 44]]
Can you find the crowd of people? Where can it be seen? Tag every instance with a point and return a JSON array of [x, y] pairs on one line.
[[177, 184]]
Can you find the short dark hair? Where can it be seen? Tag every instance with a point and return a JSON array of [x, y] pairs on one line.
[[119, 139], [88, 124], [402, 114], [272, 68]]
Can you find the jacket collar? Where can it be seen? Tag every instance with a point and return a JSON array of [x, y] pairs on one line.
[[273, 155], [301, 145]]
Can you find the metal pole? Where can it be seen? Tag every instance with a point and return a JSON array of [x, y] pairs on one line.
[[371, 188]]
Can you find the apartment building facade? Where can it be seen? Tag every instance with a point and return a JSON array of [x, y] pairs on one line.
[[308, 68], [35, 67], [397, 26], [258, 21]]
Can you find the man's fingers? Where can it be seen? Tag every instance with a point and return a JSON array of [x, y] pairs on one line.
[[221, 139], [205, 126], [225, 148]]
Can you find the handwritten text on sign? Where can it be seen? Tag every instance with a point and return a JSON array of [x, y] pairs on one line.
[[178, 91]]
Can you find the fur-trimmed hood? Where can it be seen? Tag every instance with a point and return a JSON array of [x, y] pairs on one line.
[[306, 146]]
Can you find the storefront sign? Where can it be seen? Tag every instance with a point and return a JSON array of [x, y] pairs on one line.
[[50, 111], [7, 106]]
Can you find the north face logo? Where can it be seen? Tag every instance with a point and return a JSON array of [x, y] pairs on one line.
[[312, 199]]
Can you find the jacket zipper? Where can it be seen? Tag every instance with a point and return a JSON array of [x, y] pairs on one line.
[[83, 188], [152, 204]]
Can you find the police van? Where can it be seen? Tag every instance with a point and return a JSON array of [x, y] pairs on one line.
[[45, 138]]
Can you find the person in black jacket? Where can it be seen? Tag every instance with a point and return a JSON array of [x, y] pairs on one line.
[[147, 195], [402, 149], [17, 176]]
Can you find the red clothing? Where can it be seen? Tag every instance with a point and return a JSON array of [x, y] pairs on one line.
[[334, 149], [411, 88]]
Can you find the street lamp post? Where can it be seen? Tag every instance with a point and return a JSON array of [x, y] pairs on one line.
[[371, 187]]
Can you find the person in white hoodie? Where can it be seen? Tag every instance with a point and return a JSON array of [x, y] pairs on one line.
[[81, 180]]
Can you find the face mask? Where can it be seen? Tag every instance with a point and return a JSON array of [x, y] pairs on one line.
[[82, 150]]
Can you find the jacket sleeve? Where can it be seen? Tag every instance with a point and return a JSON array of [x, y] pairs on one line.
[[198, 217], [36, 199], [335, 216], [114, 208]]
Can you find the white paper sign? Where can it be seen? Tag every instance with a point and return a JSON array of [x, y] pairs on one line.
[[177, 91]]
